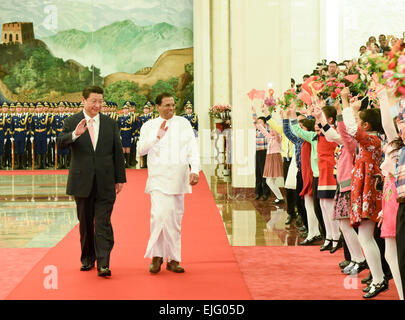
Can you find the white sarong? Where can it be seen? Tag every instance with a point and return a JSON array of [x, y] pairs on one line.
[[165, 226]]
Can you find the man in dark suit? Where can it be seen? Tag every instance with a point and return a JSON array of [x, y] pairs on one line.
[[96, 175]]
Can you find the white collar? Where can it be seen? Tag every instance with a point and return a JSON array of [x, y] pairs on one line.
[[96, 118], [165, 119]]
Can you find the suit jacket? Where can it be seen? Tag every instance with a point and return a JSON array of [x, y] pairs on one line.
[[106, 163]]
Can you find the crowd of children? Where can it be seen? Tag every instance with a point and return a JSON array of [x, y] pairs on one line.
[[350, 178]]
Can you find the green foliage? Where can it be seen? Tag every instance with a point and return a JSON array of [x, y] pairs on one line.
[[164, 86], [122, 91], [37, 73]]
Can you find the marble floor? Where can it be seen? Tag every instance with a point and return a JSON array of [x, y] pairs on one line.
[[36, 213]]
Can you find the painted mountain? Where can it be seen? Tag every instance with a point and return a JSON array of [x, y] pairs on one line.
[[119, 47], [51, 16]]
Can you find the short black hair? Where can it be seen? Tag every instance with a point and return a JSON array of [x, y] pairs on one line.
[[161, 96], [333, 62], [262, 118], [92, 89]]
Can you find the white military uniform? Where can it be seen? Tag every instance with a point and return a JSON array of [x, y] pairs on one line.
[[169, 161]]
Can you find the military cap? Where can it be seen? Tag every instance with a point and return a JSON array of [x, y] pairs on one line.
[[149, 104], [187, 104]]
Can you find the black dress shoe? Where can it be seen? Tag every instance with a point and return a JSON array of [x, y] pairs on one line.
[[104, 272], [174, 267], [355, 268], [299, 223], [304, 235], [344, 264], [86, 267], [308, 242], [302, 229], [290, 219], [278, 201], [327, 246], [337, 247], [258, 197], [265, 197], [359, 267], [349, 268], [154, 267], [367, 279], [375, 289]]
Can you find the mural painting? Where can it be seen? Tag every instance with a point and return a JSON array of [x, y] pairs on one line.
[[51, 50]]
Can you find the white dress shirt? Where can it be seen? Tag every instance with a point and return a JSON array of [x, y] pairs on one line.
[[170, 157], [96, 126]]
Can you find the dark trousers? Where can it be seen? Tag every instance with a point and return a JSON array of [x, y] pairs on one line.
[[381, 245], [145, 162], [299, 201], [289, 193], [261, 187], [346, 251], [96, 233], [317, 207], [400, 238]]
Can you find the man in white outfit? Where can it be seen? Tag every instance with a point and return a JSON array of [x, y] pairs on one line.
[[172, 149]]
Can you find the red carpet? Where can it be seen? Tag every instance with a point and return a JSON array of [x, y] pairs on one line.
[[211, 269], [300, 273], [32, 172], [15, 264]]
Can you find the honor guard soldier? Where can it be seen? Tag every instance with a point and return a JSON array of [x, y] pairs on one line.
[[7, 134], [104, 108], [4, 124], [50, 135], [126, 128], [135, 134], [114, 109], [152, 112], [57, 127], [30, 135], [40, 130], [190, 116], [147, 115], [19, 130]]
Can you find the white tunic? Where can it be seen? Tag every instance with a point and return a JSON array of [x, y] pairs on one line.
[[169, 158]]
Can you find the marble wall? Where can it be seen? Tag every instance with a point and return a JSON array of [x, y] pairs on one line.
[[364, 18], [240, 45]]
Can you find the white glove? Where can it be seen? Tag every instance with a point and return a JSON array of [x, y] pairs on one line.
[[11, 139], [47, 140], [53, 139], [32, 139]]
